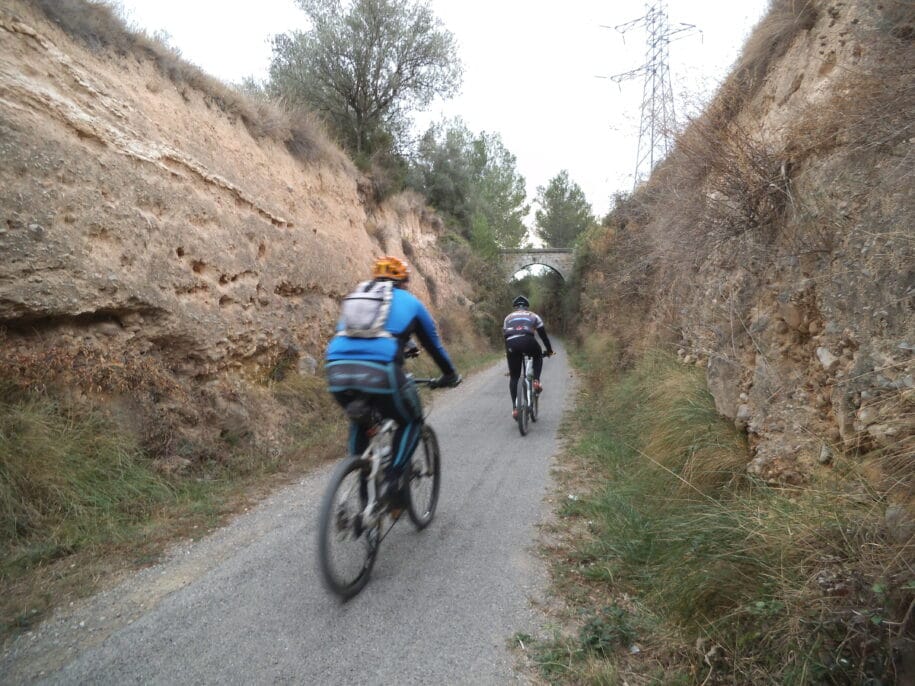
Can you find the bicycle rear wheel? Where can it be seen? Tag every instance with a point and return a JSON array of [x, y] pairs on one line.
[[346, 547], [522, 406], [425, 479]]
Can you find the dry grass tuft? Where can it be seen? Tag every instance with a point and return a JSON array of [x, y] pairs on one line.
[[682, 432], [745, 181], [98, 26], [309, 140], [891, 445], [407, 204], [89, 368], [768, 42], [898, 19], [378, 232], [94, 23]]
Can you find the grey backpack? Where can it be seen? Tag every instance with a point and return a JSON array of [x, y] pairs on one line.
[[365, 311]]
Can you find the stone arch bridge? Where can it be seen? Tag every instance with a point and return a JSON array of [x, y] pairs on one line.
[[560, 260]]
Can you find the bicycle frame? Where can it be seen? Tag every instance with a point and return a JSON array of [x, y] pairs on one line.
[[527, 371], [374, 454], [382, 435]]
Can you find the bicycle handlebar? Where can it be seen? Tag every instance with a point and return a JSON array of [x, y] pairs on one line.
[[542, 354]]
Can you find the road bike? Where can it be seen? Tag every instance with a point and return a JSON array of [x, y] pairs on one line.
[[361, 504], [527, 401]]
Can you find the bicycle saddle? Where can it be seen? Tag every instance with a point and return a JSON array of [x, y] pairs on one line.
[[359, 410]]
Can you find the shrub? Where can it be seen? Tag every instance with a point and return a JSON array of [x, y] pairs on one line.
[[768, 42]]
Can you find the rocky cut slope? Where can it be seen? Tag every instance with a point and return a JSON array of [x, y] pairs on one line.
[[164, 238], [775, 245]]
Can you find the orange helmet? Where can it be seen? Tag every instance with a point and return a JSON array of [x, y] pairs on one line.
[[389, 267]]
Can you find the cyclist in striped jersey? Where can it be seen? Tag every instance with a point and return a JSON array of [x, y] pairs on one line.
[[519, 329]]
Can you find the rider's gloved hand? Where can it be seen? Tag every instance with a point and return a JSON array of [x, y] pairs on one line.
[[550, 353], [448, 380]]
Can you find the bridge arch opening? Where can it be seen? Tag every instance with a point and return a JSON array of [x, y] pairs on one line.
[[545, 287], [535, 269]]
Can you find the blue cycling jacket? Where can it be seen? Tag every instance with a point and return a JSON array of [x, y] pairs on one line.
[[408, 316]]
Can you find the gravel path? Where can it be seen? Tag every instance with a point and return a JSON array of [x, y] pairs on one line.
[[245, 605]]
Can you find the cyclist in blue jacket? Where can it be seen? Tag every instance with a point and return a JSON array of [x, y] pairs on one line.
[[519, 328], [364, 360]]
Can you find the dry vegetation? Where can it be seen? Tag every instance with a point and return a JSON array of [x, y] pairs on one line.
[[106, 456], [769, 42], [683, 569], [96, 25]]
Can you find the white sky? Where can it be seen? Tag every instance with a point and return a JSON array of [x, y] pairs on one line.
[[530, 69]]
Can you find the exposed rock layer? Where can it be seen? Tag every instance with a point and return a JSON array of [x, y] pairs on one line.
[[140, 218], [776, 245], [129, 202]]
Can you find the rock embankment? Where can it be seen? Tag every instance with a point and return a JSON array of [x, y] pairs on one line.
[[775, 246], [145, 227]]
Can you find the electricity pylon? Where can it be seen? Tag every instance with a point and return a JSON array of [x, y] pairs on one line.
[[658, 119]]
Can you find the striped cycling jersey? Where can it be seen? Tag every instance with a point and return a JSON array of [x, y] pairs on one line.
[[521, 323]]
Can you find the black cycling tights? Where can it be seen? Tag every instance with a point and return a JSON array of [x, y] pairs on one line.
[[514, 350]]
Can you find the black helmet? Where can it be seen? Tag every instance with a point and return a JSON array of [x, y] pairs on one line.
[[521, 301]]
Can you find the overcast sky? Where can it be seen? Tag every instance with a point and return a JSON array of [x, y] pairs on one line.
[[530, 69]]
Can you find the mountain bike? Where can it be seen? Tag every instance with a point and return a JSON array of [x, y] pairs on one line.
[[527, 400], [361, 504]]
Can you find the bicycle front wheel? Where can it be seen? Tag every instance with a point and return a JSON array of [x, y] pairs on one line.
[[425, 479], [346, 547]]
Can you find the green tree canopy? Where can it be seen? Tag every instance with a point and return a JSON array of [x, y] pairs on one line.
[[365, 66], [443, 170], [473, 178], [563, 212]]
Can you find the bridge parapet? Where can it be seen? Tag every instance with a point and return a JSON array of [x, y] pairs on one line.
[[559, 260]]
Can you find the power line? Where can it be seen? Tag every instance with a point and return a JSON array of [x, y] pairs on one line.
[[658, 119]]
